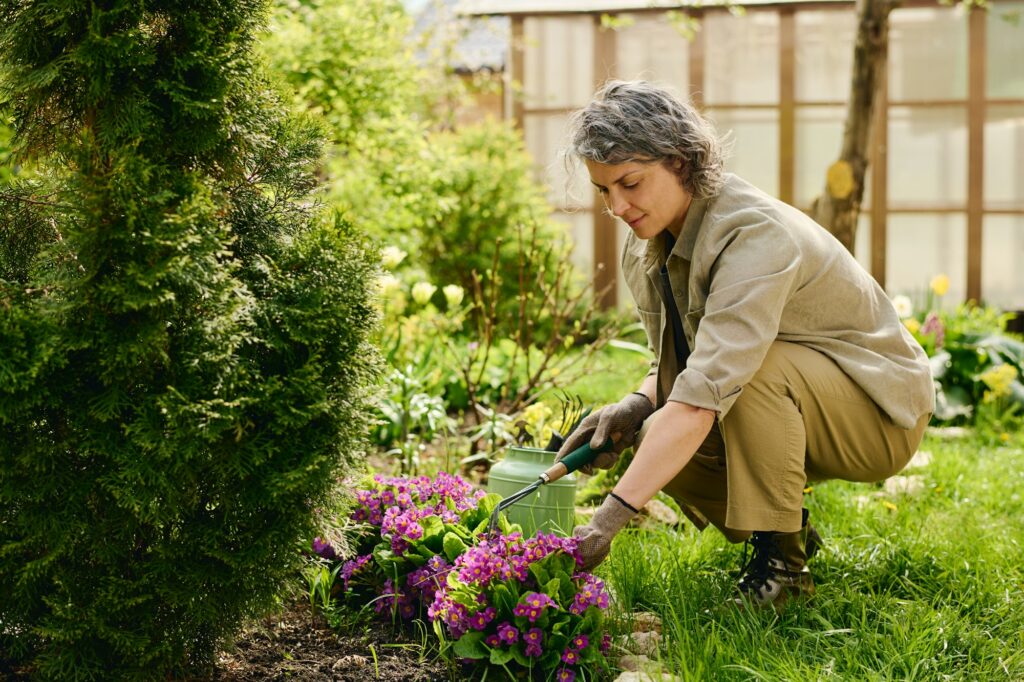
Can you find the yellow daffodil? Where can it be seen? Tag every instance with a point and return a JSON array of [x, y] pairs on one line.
[[912, 325], [940, 285]]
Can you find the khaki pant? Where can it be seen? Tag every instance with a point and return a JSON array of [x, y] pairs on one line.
[[799, 419]]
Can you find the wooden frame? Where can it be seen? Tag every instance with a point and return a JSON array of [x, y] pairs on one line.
[[975, 105], [606, 252]]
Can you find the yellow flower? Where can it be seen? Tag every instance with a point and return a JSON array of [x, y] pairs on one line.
[[999, 380], [537, 412], [912, 325], [453, 294], [940, 285], [391, 256], [536, 416], [422, 291], [1005, 437]]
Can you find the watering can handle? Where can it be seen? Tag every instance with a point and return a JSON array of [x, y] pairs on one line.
[[574, 460]]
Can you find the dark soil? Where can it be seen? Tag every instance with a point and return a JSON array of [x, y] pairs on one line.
[[295, 646], [298, 647]]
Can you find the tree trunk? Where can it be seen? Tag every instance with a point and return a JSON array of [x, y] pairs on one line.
[[839, 205]]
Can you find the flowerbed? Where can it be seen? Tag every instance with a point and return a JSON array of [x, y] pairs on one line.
[[520, 604]]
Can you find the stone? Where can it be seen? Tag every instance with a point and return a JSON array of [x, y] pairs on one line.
[[921, 458], [661, 512], [949, 432], [643, 676], [634, 663], [904, 485], [644, 643], [644, 621]]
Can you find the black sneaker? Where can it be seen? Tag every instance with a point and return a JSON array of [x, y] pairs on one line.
[[776, 571]]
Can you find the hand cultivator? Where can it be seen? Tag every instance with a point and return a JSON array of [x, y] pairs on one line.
[[566, 465], [572, 414]]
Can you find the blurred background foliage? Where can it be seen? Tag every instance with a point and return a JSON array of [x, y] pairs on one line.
[[484, 313]]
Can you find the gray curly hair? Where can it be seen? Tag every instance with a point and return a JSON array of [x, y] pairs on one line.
[[640, 121]]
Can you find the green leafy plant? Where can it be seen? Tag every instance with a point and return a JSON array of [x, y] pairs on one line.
[[523, 606], [183, 357], [975, 362], [405, 532], [411, 417], [421, 549]]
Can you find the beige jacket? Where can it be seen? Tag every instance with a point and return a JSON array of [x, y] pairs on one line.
[[748, 269]]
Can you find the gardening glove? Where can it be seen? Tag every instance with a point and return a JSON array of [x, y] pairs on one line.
[[621, 421], [595, 538]]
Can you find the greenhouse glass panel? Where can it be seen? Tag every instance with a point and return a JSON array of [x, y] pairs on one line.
[[742, 58], [754, 140], [652, 49], [927, 54], [1002, 261], [824, 54], [927, 156], [580, 227], [546, 136], [818, 142], [921, 246], [1004, 157], [558, 61], [862, 241], [1004, 59]]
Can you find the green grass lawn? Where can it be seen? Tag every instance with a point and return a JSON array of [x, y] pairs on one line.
[[921, 585]]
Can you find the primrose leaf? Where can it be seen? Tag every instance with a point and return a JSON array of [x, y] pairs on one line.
[[539, 574], [551, 588], [432, 526], [488, 503], [503, 599], [501, 656], [470, 645], [520, 657], [453, 546]]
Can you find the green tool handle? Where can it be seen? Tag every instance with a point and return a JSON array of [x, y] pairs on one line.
[[574, 460]]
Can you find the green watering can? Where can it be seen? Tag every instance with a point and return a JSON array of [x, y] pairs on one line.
[[552, 510]]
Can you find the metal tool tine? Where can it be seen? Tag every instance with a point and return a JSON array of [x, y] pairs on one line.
[[508, 502]]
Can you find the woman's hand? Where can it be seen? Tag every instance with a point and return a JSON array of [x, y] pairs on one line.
[[620, 421], [595, 538]]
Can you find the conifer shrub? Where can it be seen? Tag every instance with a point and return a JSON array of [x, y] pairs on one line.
[[183, 347]]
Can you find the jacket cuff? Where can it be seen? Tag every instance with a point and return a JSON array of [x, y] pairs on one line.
[[693, 388]]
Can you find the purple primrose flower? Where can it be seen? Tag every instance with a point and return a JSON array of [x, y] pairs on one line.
[[324, 549]]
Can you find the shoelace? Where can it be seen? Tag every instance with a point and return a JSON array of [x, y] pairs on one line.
[[757, 571]]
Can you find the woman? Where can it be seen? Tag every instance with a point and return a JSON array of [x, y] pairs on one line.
[[779, 359]]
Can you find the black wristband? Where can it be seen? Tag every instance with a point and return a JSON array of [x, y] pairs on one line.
[[644, 396], [625, 504]]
